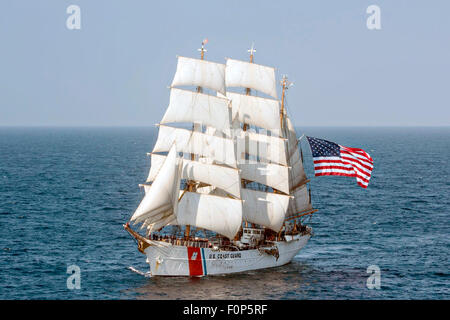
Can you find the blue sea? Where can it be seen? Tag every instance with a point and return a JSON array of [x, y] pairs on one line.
[[65, 193]]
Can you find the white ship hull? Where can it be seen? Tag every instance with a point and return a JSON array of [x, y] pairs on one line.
[[166, 259]]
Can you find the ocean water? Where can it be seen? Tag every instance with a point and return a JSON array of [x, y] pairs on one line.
[[65, 193]]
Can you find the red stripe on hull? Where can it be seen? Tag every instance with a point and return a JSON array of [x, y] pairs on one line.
[[195, 261]]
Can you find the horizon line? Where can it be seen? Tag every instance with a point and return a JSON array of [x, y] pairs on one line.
[[154, 126]]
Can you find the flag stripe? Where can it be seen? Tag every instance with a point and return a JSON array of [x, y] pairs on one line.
[[361, 151], [347, 157], [349, 172], [362, 168], [351, 163], [357, 157], [356, 162], [335, 164], [347, 169]]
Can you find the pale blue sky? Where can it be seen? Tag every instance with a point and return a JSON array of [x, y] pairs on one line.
[[116, 69]]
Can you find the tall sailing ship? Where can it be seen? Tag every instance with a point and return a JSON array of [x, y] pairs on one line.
[[228, 193]]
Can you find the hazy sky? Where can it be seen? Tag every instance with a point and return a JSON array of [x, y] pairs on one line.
[[116, 69]]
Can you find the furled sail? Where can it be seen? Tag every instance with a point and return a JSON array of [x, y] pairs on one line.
[[219, 176], [249, 75], [162, 196], [218, 149], [218, 214], [264, 208], [188, 106], [202, 73], [257, 111]]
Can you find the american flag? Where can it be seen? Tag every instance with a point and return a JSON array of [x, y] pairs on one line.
[[331, 159]]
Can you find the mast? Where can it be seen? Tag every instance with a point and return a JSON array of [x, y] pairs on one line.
[[190, 183], [245, 126], [284, 85], [260, 206], [300, 205], [202, 57], [248, 90], [251, 51], [211, 174]]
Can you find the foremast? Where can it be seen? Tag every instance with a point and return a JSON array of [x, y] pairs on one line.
[[208, 160]]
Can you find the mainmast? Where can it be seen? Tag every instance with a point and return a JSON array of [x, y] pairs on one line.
[[195, 127], [248, 90], [251, 51], [245, 126]]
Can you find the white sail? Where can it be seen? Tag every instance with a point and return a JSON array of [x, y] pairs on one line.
[[295, 156], [250, 75], [264, 208], [291, 135], [215, 175], [270, 174], [257, 111], [218, 149], [267, 148], [218, 214], [298, 174], [168, 220], [188, 106], [205, 189], [155, 165], [162, 196], [202, 73], [212, 131], [300, 203], [224, 154]]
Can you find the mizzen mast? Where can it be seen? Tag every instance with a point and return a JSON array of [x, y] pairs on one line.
[[285, 84], [300, 204]]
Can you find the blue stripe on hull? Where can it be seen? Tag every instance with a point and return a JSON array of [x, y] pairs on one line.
[[204, 262]]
